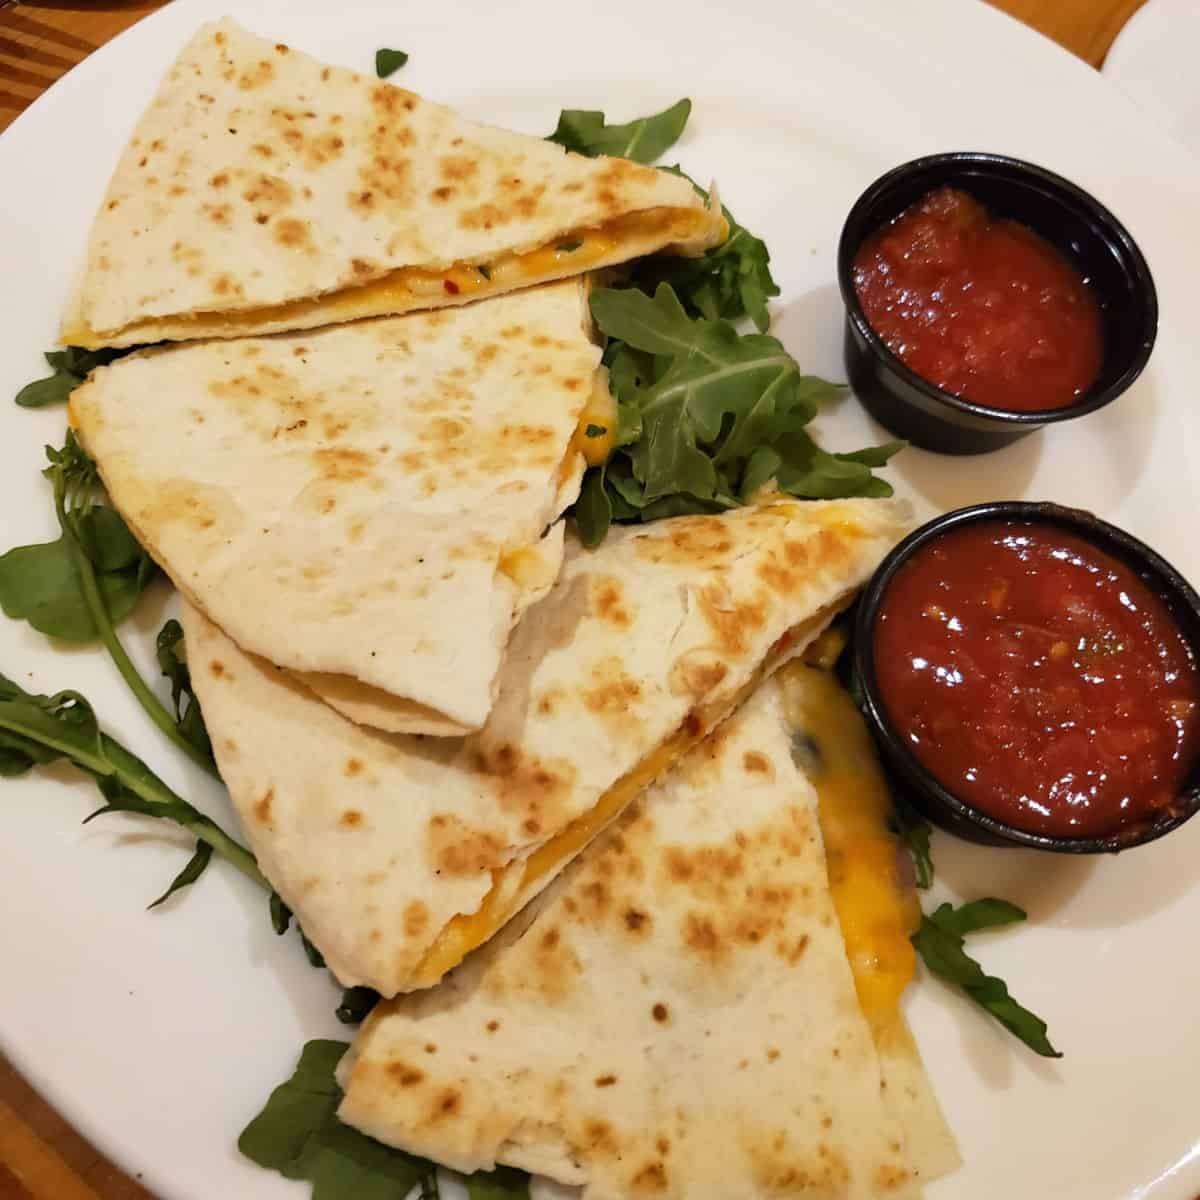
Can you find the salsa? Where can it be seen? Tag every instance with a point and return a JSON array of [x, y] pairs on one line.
[[1038, 679], [981, 307]]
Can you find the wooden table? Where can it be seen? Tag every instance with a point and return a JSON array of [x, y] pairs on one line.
[[41, 1157]]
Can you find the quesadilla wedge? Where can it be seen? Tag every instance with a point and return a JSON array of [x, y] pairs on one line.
[[675, 1016], [399, 855], [366, 504], [264, 191]]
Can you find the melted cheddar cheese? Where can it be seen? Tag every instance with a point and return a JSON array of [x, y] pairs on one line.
[[411, 288], [464, 933], [876, 912], [600, 416], [467, 931]]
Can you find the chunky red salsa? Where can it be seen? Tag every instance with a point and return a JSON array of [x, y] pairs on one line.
[[1038, 679], [981, 307]]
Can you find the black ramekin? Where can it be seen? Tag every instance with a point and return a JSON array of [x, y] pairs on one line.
[[915, 782], [1066, 216]]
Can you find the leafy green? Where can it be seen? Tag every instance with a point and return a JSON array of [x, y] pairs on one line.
[[41, 584], [585, 132], [298, 1135], [314, 956], [172, 661], [35, 730], [281, 915], [82, 585], [388, 62], [192, 871], [915, 831], [71, 367], [48, 584], [706, 417], [504, 1183], [281, 920], [732, 280], [356, 1003], [939, 941]]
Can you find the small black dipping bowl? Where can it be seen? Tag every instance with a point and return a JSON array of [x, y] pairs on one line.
[[918, 786], [1067, 217]]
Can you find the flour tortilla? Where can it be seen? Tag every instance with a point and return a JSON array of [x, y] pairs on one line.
[[675, 1016], [365, 504], [400, 854], [263, 191]]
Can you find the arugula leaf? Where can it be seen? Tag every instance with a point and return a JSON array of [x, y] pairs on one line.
[[192, 871], [732, 280], [585, 132], [706, 416], [281, 920], [504, 1183], [71, 367], [35, 730], [298, 1134], [189, 720], [939, 941], [356, 1004], [388, 62], [281, 915], [314, 956], [49, 584], [81, 586], [41, 584], [915, 831]]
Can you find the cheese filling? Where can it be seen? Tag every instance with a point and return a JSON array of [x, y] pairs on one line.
[[411, 288], [876, 911], [465, 932], [596, 433]]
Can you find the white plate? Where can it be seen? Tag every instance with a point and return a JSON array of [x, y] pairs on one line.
[[1154, 61], [160, 1034]]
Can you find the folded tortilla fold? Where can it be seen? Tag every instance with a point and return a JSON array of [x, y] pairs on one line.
[[674, 1017], [399, 855], [365, 504], [264, 191]]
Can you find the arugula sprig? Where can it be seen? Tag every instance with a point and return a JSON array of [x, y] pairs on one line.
[[70, 367], [915, 833], [706, 417], [82, 585], [940, 943], [36, 730], [91, 576], [299, 1135], [732, 280], [585, 131], [172, 662]]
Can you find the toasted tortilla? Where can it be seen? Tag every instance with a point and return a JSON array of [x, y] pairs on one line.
[[399, 855], [675, 1016], [264, 191], [365, 504]]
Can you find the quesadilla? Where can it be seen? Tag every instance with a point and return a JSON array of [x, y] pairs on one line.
[[399, 855], [264, 191], [675, 1016], [365, 504]]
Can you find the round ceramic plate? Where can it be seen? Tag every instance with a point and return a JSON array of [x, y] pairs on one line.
[[159, 1034], [1154, 61]]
